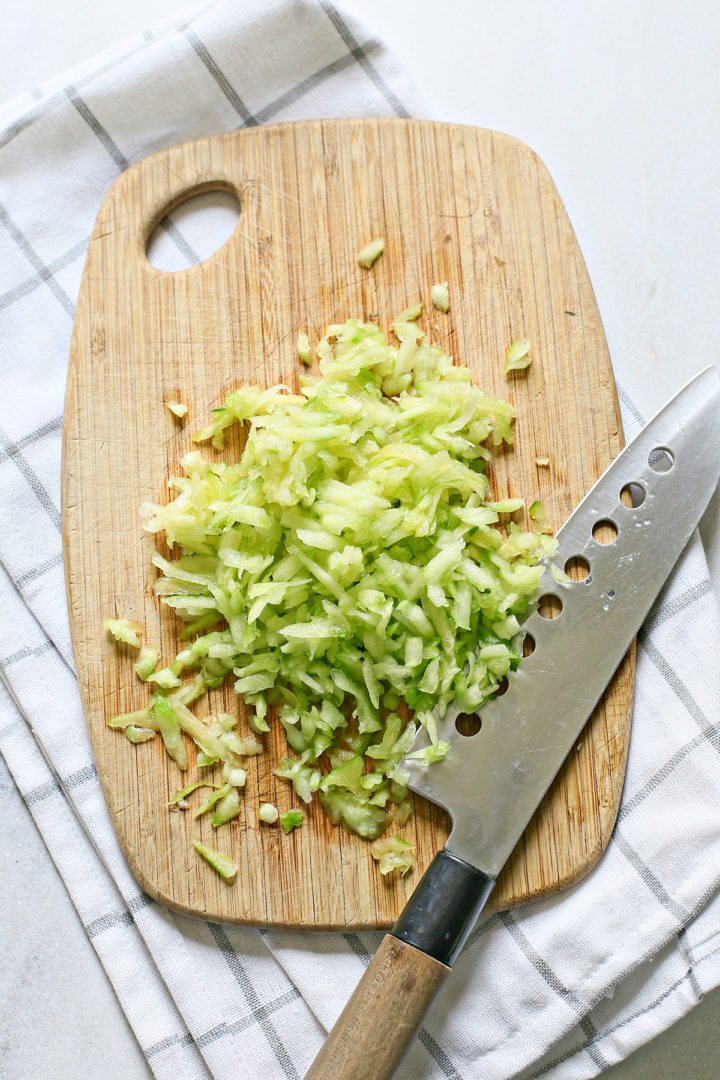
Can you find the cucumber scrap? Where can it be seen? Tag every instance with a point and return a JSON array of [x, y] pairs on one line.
[[146, 662], [440, 296], [268, 813], [303, 348], [291, 820], [124, 631], [393, 853], [371, 252], [223, 864], [518, 356]]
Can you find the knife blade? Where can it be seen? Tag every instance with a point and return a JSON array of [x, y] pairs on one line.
[[627, 534]]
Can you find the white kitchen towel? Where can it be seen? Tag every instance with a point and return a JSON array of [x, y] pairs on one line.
[[560, 989]]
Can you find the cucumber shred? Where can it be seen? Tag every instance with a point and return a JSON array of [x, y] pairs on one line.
[[371, 252], [348, 572], [146, 662], [518, 356], [268, 813], [440, 296], [291, 820], [223, 864], [393, 853], [124, 632]]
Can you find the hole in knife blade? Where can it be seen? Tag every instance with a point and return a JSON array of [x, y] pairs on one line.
[[661, 459], [577, 568], [468, 724], [633, 494], [528, 645], [549, 606], [604, 532]]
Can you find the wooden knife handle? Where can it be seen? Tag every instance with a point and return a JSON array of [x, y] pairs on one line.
[[381, 1017]]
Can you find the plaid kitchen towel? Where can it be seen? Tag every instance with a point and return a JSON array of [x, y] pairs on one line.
[[561, 989]]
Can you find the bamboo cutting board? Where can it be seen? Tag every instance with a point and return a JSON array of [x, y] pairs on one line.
[[470, 207]]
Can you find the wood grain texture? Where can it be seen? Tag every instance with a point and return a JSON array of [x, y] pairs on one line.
[[380, 1019], [472, 207]]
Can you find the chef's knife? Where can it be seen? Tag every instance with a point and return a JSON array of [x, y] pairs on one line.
[[626, 534]]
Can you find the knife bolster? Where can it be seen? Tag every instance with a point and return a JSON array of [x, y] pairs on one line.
[[442, 911]]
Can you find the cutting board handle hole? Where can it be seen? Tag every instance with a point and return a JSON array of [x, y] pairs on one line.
[[192, 229]]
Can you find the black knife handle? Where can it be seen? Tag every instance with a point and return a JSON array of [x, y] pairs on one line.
[[440, 914]]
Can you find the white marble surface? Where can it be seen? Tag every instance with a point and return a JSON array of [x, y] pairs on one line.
[[621, 101]]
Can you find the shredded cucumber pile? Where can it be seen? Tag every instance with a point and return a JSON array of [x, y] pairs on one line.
[[348, 571]]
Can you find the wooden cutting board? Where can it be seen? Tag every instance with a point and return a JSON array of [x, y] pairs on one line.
[[470, 207]]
